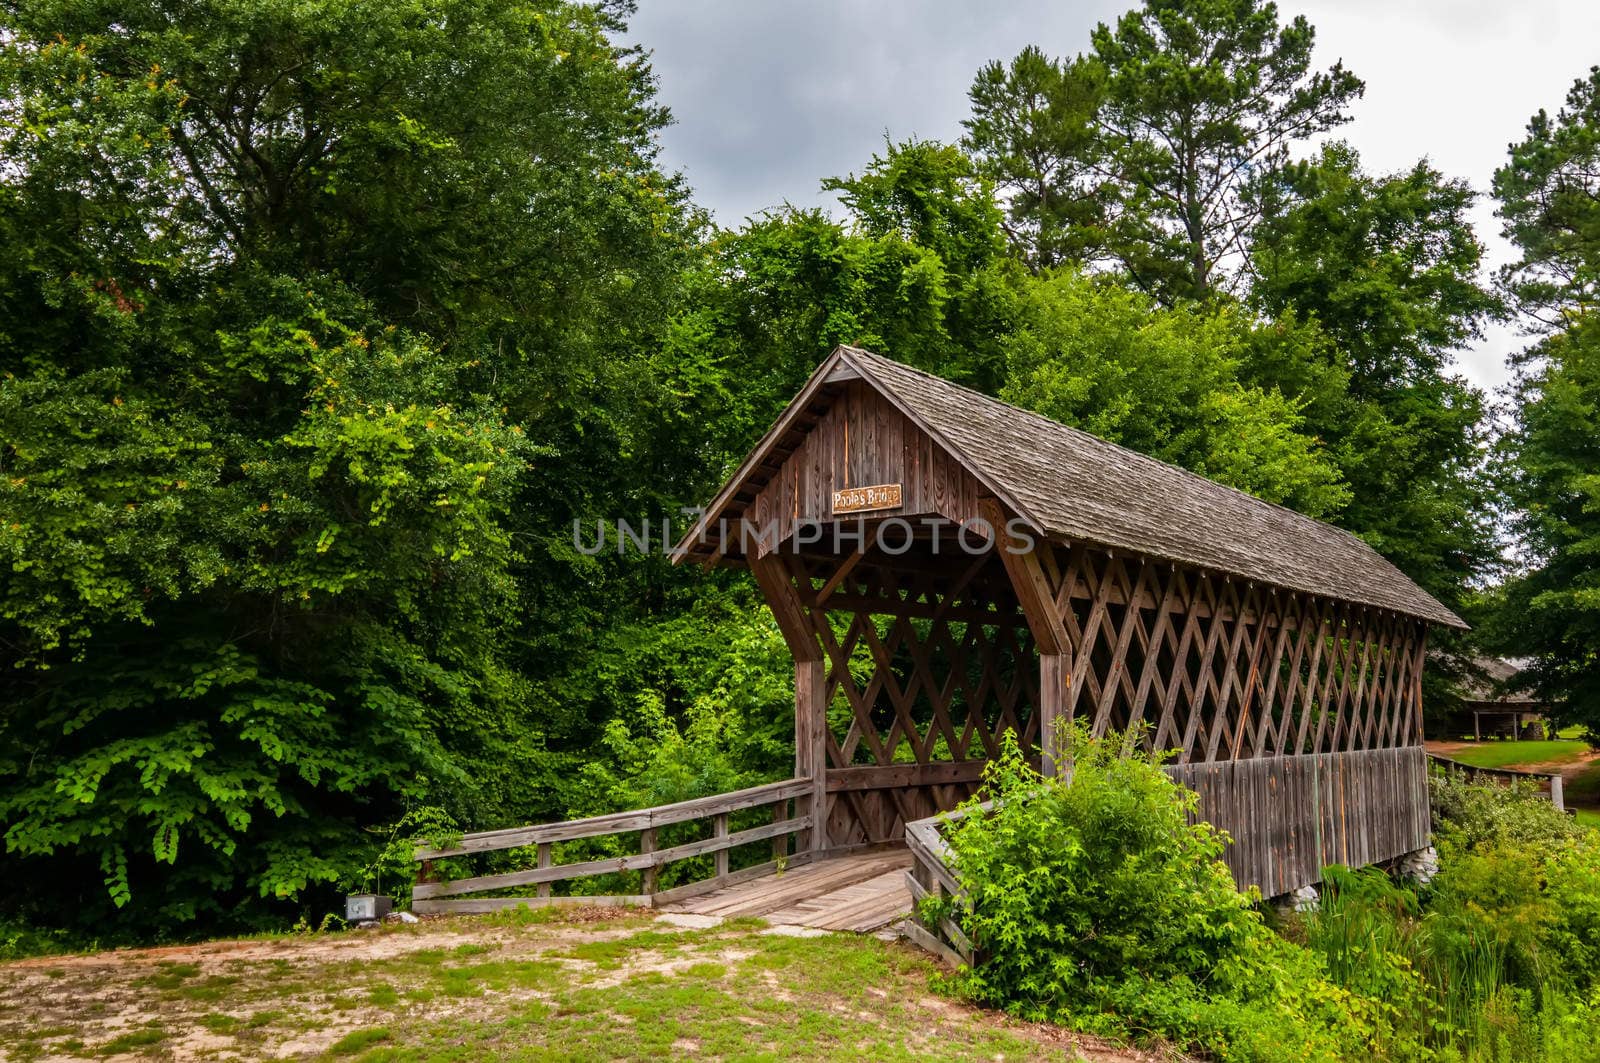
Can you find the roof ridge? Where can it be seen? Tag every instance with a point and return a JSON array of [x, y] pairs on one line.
[[1138, 455]]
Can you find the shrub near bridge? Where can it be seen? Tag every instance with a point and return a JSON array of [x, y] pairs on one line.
[[1096, 903], [1100, 906]]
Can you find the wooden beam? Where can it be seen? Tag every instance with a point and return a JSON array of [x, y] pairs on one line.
[[838, 576], [772, 575], [811, 745], [619, 822], [1029, 584], [900, 776], [1054, 676]]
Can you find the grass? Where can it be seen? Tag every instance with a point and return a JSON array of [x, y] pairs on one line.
[[1584, 788], [1589, 817], [517, 988], [1494, 754]]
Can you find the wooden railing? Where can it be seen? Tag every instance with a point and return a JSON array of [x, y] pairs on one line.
[[930, 876], [428, 894], [1548, 780]]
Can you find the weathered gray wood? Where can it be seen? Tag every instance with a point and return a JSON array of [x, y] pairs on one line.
[[651, 858], [484, 905], [1356, 807], [546, 859], [691, 890], [890, 776], [921, 938], [620, 822], [647, 847], [719, 830], [811, 747], [1551, 781]]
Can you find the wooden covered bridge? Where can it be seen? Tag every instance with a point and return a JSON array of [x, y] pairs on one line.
[[946, 567]]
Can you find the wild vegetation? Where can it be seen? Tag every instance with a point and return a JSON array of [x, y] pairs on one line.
[[307, 370], [1098, 905]]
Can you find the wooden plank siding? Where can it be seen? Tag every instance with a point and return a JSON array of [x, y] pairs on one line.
[[859, 440], [1289, 817]]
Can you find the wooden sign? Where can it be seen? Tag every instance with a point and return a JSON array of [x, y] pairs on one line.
[[862, 499]]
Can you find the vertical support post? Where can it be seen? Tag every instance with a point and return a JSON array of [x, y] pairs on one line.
[[544, 861], [1416, 680], [789, 609], [811, 745], [1038, 602], [424, 873], [1557, 792], [1477, 727], [1054, 675], [719, 829], [647, 845]]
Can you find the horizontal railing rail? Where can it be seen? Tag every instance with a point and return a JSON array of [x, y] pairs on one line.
[[1553, 781], [430, 895]]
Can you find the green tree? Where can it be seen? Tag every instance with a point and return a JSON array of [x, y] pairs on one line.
[[1550, 456], [1387, 268], [305, 367], [1202, 98], [1549, 193], [917, 270], [1171, 383], [1033, 131], [1551, 470]]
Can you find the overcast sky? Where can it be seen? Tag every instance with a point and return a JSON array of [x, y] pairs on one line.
[[771, 96]]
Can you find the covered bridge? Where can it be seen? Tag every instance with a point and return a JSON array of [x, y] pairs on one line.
[[1037, 575], [944, 568]]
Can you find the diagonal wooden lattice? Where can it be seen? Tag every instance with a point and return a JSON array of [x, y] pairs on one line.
[[926, 667], [924, 662], [1222, 669]]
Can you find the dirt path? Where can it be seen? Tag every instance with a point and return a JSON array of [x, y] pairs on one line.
[[584, 983], [1567, 769]]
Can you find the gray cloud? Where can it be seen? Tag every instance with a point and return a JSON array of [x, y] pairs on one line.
[[770, 97]]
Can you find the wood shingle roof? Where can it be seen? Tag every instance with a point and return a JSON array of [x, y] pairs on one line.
[[1075, 486]]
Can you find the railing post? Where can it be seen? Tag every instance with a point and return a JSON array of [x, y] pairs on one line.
[[780, 842], [1557, 796], [544, 861], [719, 829], [647, 845]]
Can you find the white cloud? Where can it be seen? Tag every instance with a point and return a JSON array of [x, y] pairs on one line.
[[771, 97]]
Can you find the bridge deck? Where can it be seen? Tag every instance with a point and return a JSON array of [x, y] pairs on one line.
[[859, 891]]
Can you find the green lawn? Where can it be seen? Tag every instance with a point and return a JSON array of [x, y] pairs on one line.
[[1494, 754], [1589, 817]]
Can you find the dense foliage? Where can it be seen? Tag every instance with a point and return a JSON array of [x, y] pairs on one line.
[[1096, 903], [307, 370], [295, 347], [1549, 194]]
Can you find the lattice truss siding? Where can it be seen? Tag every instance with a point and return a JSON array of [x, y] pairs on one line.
[[927, 668]]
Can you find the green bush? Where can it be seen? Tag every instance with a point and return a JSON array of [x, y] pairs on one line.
[[1471, 815], [1096, 903], [1572, 885]]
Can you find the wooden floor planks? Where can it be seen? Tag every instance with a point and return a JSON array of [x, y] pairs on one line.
[[859, 891]]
